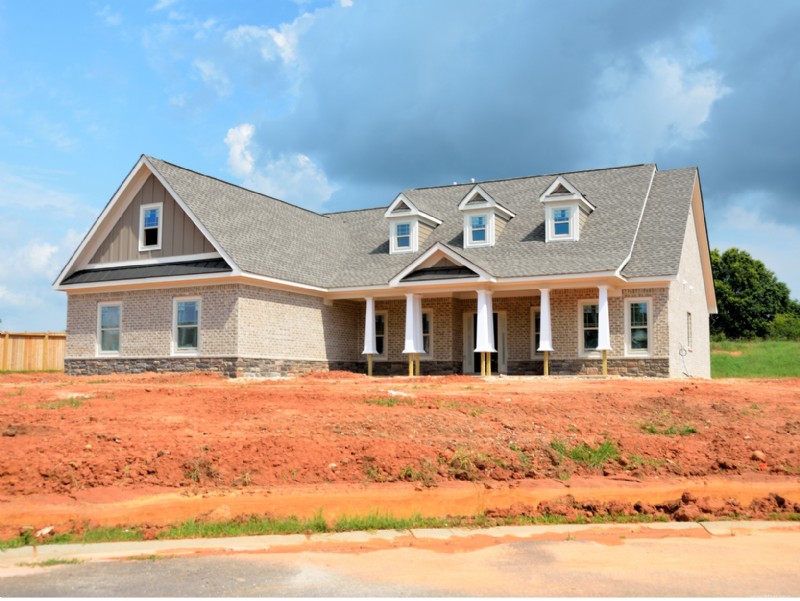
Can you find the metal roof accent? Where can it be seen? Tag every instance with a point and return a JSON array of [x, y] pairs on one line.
[[140, 272]]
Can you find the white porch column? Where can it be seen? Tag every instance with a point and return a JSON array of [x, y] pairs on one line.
[[545, 331], [369, 328], [369, 333], [411, 321], [484, 337], [603, 334]]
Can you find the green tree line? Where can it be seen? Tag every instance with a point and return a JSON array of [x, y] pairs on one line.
[[751, 301]]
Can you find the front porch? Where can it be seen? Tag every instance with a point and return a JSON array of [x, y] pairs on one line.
[[516, 322]]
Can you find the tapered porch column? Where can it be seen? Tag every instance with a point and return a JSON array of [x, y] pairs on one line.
[[369, 333], [484, 337], [604, 333], [545, 331], [412, 340]]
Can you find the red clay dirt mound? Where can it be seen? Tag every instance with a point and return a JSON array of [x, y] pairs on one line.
[[68, 435]]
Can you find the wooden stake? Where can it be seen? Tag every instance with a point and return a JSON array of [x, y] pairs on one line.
[[410, 365], [369, 365], [547, 363], [605, 363]]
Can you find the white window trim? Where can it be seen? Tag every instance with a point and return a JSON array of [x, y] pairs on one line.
[[142, 209], [574, 223], [468, 215], [183, 299], [385, 354], [99, 346], [429, 354], [413, 235], [629, 352], [582, 352], [535, 354]]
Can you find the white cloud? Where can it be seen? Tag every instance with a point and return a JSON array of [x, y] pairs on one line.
[[295, 178], [213, 77], [32, 196], [271, 42], [13, 298], [652, 105], [39, 258], [345, 3], [742, 225], [109, 16], [162, 4], [240, 159]]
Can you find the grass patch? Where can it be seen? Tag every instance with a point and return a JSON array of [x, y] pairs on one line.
[[49, 563], [389, 402], [468, 465], [426, 473], [586, 454], [668, 430], [755, 359], [72, 403]]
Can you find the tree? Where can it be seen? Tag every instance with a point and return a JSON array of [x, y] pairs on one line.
[[749, 296]]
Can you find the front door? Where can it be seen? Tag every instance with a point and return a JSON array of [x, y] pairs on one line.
[[472, 360]]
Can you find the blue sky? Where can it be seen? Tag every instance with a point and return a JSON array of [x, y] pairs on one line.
[[344, 103]]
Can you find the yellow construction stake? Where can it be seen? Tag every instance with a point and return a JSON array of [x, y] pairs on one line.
[[410, 365], [369, 365], [605, 363], [547, 363]]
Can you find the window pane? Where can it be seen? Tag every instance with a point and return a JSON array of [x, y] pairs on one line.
[[109, 317], [403, 242], [638, 314], [479, 235], [589, 340], [639, 338], [151, 237], [109, 340], [562, 229], [187, 313], [187, 337], [426, 323], [537, 323], [379, 344], [151, 218], [590, 317], [379, 325], [426, 344], [403, 229], [561, 215], [479, 222]]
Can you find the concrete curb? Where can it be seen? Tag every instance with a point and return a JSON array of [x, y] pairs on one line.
[[244, 544]]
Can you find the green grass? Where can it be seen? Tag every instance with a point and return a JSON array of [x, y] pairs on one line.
[[50, 562], [668, 430], [586, 454], [390, 402], [755, 359], [73, 402]]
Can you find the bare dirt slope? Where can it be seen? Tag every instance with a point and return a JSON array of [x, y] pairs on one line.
[[129, 437]]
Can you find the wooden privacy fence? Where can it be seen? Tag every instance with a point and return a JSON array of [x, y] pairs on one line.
[[32, 351]]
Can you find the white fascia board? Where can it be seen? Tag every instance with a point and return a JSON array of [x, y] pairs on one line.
[[278, 282], [639, 224], [455, 257], [490, 202], [413, 212], [699, 213], [157, 261], [100, 221], [193, 217]]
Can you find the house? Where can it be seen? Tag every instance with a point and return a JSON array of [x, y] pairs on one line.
[[589, 272]]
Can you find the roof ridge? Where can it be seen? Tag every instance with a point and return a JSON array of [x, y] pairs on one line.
[[508, 179], [227, 183]]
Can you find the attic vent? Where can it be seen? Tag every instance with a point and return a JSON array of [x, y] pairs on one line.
[[560, 190], [477, 200], [401, 206]]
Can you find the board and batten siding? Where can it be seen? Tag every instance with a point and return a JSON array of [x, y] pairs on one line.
[[179, 236]]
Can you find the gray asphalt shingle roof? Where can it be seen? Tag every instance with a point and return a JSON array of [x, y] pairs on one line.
[[269, 237]]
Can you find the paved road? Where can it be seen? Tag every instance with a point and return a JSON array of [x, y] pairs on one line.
[[722, 559]]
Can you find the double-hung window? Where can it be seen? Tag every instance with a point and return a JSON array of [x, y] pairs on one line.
[[186, 326], [478, 228], [109, 322], [150, 226], [638, 325], [381, 317], [403, 233], [561, 223], [589, 326]]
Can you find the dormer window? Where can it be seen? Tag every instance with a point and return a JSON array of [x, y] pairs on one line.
[[403, 237], [150, 217], [566, 210], [408, 226], [477, 231], [484, 218]]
